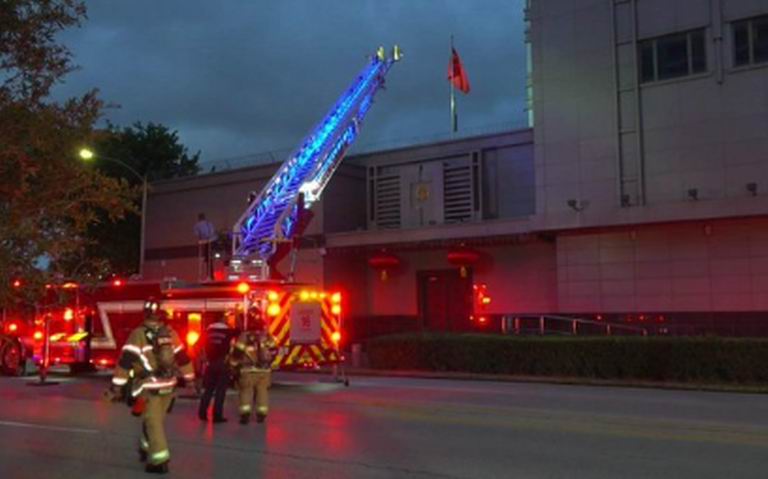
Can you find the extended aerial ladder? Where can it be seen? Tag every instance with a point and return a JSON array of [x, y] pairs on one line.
[[280, 210]]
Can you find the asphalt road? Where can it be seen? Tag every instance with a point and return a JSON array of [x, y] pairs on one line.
[[397, 428]]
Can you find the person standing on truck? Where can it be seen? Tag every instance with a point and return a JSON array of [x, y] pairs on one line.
[[251, 359], [206, 235], [218, 339], [152, 358]]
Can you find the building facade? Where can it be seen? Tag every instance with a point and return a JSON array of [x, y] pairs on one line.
[[639, 195]]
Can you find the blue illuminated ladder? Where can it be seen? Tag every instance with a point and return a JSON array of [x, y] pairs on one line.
[[271, 218]]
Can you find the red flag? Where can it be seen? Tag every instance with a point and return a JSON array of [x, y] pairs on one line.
[[456, 73]]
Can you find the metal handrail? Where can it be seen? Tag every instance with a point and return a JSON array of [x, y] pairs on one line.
[[574, 323]]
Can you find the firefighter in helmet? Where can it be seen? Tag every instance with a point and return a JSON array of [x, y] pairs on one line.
[[153, 357], [251, 360]]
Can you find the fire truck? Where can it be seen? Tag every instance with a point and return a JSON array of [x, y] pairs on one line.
[[85, 326]]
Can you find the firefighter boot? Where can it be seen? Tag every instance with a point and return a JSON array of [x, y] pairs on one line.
[[245, 418], [157, 468], [260, 417]]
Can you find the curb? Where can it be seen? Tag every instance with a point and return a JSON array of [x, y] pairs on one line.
[[572, 381]]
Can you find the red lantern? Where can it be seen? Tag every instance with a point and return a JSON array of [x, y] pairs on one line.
[[383, 262], [463, 257]]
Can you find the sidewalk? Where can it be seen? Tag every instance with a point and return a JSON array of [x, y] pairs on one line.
[[462, 376]]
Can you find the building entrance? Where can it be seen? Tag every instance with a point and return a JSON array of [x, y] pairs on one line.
[[445, 300]]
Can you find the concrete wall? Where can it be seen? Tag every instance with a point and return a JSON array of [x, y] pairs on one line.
[[687, 267], [706, 131], [504, 177], [521, 278]]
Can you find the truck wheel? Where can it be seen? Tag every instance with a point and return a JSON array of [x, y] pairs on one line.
[[11, 360]]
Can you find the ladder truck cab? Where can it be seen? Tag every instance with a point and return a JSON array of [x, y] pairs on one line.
[[91, 326]]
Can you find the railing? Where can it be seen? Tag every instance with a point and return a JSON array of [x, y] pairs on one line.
[[548, 324]]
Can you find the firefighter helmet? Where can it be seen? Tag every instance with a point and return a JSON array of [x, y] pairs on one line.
[[151, 307]]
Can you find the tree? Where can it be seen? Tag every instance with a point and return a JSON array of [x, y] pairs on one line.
[[48, 199], [152, 150]]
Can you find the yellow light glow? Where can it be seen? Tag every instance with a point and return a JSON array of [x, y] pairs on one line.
[[486, 300], [243, 288], [313, 295], [304, 295], [87, 154], [273, 309], [336, 309], [336, 298], [336, 336], [192, 338], [272, 296], [69, 315], [38, 335]]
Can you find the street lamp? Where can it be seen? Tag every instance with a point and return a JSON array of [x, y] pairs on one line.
[[87, 154]]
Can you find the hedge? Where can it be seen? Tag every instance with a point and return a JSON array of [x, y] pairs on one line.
[[677, 359]]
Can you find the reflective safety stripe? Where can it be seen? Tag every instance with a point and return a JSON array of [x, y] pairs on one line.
[[254, 369], [189, 377], [138, 352], [146, 349], [245, 408], [240, 346], [119, 381], [144, 444], [154, 384], [160, 457], [178, 348], [262, 410]]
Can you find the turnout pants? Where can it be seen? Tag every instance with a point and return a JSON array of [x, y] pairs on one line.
[[153, 440], [250, 382]]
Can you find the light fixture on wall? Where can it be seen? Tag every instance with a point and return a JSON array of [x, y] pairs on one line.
[[577, 205], [693, 194], [751, 188]]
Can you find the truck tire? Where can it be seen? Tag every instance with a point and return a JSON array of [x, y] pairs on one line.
[[12, 361]]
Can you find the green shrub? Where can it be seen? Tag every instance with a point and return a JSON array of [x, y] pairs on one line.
[[698, 360]]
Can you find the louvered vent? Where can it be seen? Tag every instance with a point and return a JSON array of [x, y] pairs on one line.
[[457, 193], [388, 201]]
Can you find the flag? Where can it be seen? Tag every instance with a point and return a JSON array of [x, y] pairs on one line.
[[456, 73]]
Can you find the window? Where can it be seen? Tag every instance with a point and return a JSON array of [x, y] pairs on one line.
[[750, 41], [673, 56]]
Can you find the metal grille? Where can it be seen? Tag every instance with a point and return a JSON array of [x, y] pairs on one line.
[[457, 192], [388, 201]]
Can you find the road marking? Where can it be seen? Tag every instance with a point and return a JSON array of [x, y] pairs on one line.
[[47, 428]]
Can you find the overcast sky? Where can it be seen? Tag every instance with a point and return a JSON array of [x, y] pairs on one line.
[[239, 77]]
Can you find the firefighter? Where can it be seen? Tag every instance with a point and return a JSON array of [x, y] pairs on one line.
[[251, 359], [218, 339], [152, 357]]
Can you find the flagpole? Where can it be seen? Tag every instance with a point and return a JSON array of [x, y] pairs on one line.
[[454, 116]]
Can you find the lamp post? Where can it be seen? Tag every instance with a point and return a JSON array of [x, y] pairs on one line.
[[87, 155]]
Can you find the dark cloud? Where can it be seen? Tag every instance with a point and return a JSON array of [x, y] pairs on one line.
[[239, 77]]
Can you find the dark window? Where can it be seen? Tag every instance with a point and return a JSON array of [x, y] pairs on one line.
[[673, 56], [698, 52], [741, 43], [760, 39], [647, 62], [750, 41]]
